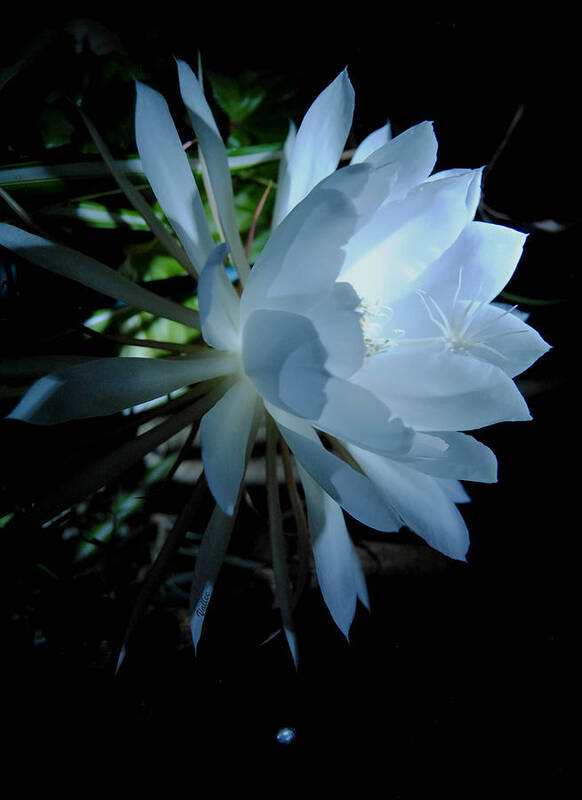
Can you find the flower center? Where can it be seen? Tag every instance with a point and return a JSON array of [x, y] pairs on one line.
[[373, 321], [458, 331]]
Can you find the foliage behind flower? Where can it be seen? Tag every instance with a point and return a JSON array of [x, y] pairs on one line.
[[365, 337]]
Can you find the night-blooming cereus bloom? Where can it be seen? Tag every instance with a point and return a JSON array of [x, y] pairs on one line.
[[365, 335]]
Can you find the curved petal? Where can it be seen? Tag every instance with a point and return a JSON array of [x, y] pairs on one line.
[[216, 161], [348, 487], [318, 145], [282, 179], [502, 338], [354, 414], [371, 143], [475, 268], [421, 503], [339, 572], [86, 270], [219, 304], [452, 455], [108, 385], [338, 324], [388, 173], [433, 388], [304, 255], [466, 276], [169, 173], [474, 190], [283, 356], [385, 256], [453, 490], [409, 157], [224, 436]]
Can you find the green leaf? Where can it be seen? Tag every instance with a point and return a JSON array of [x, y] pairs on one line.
[[149, 261], [56, 130], [238, 97]]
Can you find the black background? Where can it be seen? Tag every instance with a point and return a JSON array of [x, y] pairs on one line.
[[462, 675]]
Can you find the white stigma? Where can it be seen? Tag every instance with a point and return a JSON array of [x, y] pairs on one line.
[[455, 329]]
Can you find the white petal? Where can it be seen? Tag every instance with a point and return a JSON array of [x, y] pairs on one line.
[[219, 304], [168, 171], [486, 255], [339, 572], [303, 256], [107, 385], [420, 502], [413, 154], [319, 143], [372, 142], [385, 256], [453, 490], [451, 455], [354, 414], [352, 490], [86, 270], [282, 180], [433, 388], [474, 190], [388, 173], [283, 356], [215, 158], [501, 338], [472, 271], [224, 435], [338, 325]]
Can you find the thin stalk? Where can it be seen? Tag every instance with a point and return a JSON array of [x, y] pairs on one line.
[[22, 213], [300, 521], [130, 340], [277, 539], [162, 562]]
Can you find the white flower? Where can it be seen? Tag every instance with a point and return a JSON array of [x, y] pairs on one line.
[[367, 323]]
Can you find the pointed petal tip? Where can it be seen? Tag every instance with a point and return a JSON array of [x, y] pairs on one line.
[[292, 643], [120, 660]]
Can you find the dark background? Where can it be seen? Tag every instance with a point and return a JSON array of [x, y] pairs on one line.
[[462, 675]]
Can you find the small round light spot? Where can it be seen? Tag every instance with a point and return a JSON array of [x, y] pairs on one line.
[[286, 735]]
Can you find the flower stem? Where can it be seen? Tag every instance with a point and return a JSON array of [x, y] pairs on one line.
[[277, 539], [300, 521]]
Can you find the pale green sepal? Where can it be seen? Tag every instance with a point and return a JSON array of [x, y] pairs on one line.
[[216, 162], [86, 270], [108, 385], [105, 469], [213, 547], [169, 173], [137, 201], [33, 366], [211, 554]]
